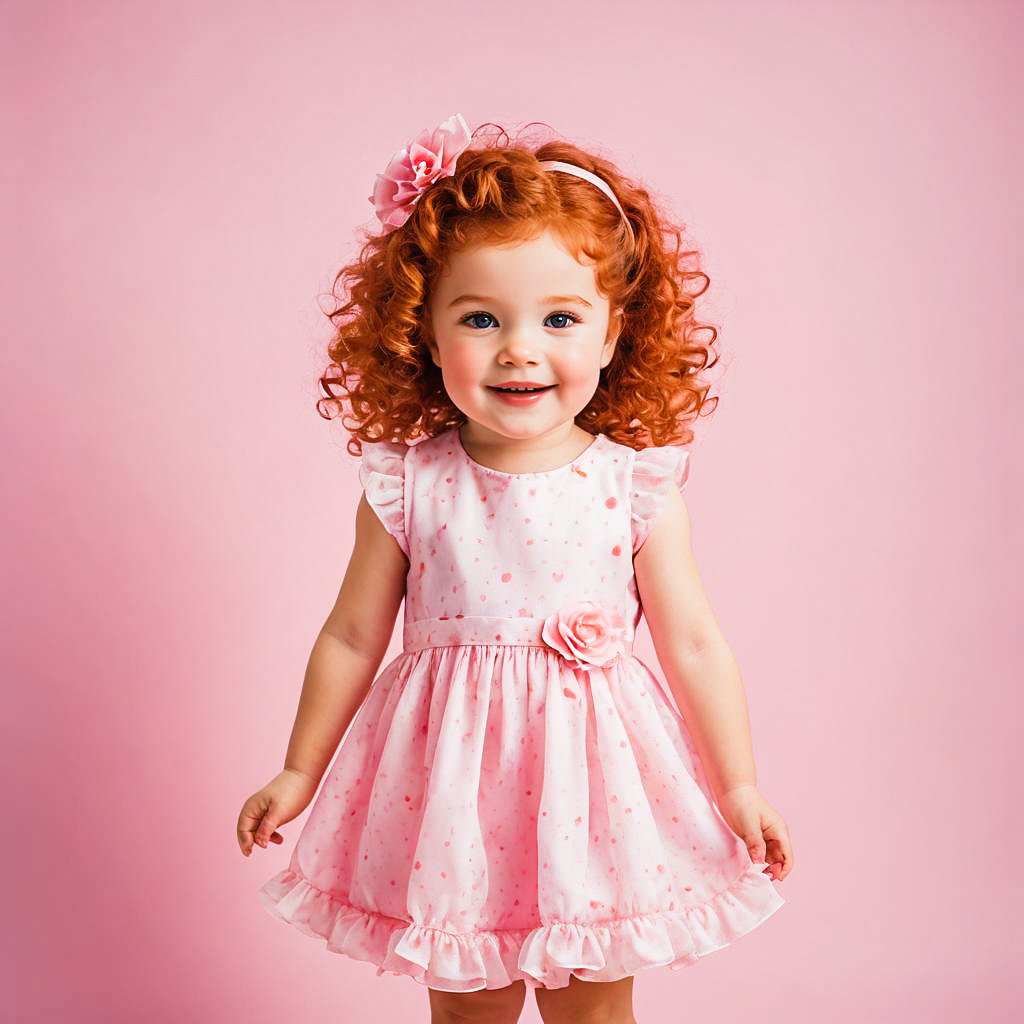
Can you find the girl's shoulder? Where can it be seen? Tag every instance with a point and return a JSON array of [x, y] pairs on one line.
[[651, 469], [654, 471], [382, 468], [385, 471], [654, 467]]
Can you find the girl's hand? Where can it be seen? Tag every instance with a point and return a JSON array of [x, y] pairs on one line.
[[761, 827], [283, 798]]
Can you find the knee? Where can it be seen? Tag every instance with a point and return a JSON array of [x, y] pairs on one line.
[[585, 1002], [607, 1014], [485, 1006]]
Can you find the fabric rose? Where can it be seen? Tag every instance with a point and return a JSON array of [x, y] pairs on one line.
[[585, 634], [412, 169]]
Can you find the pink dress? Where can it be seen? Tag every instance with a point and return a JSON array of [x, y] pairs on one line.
[[517, 797]]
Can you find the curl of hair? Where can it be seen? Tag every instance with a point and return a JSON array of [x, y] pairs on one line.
[[381, 372]]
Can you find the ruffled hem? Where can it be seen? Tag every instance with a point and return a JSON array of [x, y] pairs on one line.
[[382, 474], [653, 470], [543, 957]]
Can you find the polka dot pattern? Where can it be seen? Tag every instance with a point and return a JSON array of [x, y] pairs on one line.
[[493, 813]]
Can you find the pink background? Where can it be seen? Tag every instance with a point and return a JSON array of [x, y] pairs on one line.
[[183, 182]]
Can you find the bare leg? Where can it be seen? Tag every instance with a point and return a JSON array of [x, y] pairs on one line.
[[485, 1006], [587, 1002]]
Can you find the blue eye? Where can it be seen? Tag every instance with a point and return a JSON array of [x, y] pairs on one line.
[[572, 316], [472, 316]]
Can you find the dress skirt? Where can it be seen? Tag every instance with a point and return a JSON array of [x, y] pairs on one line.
[[495, 814]]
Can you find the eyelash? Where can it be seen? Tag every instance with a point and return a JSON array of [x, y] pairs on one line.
[[562, 312]]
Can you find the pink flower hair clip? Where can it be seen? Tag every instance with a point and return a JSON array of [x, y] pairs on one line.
[[585, 634], [412, 169], [433, 155]]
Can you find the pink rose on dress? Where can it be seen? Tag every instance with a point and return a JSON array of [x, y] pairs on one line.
[[585, 634], [412, 169]]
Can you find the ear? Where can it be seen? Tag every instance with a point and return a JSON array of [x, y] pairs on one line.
[[611, 338], [433, 350], [427, 335]]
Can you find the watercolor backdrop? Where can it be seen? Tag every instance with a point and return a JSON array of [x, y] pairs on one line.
[[182, 182]]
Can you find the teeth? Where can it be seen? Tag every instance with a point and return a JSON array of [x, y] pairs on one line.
[[520, 389]]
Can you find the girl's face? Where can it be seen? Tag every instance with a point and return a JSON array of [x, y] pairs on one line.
[[517, 313]]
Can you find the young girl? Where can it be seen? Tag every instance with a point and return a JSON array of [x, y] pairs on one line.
[[517, 802]]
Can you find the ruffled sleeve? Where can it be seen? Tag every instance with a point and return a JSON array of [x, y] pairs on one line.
[[382, 474], [654, 471]]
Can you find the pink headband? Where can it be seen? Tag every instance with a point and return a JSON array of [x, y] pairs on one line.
[[433, 155]]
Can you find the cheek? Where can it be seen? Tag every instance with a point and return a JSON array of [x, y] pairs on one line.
[[579, 365], [462, 366]]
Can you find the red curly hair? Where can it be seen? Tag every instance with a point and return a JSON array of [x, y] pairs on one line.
[[649, 392]]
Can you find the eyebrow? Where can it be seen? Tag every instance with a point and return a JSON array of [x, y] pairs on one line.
[[550, 298]]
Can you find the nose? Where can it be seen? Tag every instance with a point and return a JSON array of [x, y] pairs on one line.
[[520, 346]]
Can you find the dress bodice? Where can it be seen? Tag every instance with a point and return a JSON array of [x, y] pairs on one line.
[[487, 548]]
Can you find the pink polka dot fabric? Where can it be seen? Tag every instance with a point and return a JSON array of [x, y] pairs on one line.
[[496, 812]]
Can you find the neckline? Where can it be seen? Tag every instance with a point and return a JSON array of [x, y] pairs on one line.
[[586, 453]]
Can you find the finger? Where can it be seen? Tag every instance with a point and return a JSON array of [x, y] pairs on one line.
[[780, 846], [778, 831], [247, 822], [785, 854], [244, 838], [787, 864], [783, 859], [756, 847], [267, 826]]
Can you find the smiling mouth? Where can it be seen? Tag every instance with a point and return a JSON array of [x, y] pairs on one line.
[[520, 391]]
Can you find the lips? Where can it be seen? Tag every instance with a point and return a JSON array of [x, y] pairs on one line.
[[521, 389]]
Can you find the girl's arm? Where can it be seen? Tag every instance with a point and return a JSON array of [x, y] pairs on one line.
[[698, 664], [350, 647]]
